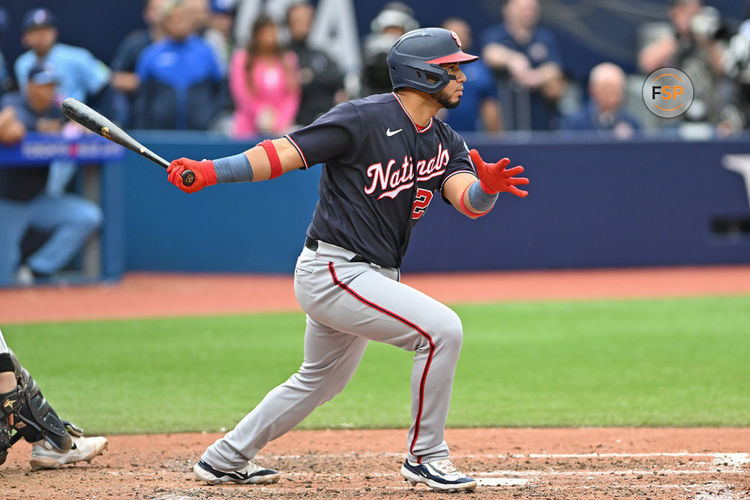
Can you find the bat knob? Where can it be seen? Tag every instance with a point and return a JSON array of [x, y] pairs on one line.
[[188, 178]]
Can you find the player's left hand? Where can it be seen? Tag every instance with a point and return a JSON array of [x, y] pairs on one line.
[[205, 174], [494, 177]]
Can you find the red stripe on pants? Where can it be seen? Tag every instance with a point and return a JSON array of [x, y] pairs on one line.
[[408, 323]]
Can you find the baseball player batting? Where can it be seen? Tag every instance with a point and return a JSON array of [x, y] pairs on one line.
[[384, 157]]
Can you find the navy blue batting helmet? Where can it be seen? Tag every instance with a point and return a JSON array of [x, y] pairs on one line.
[[414, 60]]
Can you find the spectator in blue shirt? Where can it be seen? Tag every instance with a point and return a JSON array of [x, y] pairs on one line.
[[81, 75], [527, 60], [124, 78], [181, 82], [480, 108], [25, 201], [604, 113]]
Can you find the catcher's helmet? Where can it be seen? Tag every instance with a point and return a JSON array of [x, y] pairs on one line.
[[418, 55]]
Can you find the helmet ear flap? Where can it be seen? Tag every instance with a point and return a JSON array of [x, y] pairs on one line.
[[414, 73]]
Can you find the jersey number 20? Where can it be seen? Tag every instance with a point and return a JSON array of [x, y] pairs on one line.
[[424, 196]]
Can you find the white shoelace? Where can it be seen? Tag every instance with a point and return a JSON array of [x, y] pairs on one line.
[[251, 468], [445, 466]]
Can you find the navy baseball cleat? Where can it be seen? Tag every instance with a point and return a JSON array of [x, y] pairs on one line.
[[440, 475], [252, 474]]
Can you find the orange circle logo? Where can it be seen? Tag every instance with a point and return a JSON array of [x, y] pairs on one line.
[[668, 92]]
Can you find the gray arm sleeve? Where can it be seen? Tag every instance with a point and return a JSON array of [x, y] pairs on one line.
[[480, 200], [233, 169]]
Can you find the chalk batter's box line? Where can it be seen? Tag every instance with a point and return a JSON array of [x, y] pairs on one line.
[[731, 457]]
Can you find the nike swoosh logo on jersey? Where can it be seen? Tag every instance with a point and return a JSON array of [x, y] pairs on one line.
[[390, 133]]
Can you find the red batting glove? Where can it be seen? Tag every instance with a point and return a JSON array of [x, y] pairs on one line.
[[205, 173], [494, 178]]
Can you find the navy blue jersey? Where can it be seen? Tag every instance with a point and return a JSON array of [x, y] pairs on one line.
[[379, 174]]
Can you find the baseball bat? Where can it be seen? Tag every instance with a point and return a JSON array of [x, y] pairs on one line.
[[84, 115]]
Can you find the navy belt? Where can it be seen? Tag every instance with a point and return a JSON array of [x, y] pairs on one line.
[[313, 245]]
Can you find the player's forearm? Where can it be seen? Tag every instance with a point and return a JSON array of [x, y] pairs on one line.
[[465, 193], [267, 160], [8, 380], [11, 128], [125, 81], [476, 201], [498, 56], [235, 168], [255, 164], [657, 54]]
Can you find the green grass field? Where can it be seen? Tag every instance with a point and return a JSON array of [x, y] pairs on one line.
[[673, 362]]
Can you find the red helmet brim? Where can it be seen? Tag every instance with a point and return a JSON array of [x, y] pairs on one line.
[[457, 57]]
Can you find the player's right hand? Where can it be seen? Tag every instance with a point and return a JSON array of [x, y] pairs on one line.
[[205, 174]]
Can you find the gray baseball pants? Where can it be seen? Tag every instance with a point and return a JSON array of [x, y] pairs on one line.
[[347, 305]]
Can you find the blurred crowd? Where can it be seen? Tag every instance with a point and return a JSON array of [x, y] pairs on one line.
[[219, 65]]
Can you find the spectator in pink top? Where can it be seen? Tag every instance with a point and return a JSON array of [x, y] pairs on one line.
[[264, 80]]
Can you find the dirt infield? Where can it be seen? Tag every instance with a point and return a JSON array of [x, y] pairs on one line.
[[508, 463]]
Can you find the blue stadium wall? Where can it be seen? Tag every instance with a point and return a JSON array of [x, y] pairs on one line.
[[591, 204]]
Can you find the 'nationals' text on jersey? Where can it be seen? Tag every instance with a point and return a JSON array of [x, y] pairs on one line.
[[379, 174]]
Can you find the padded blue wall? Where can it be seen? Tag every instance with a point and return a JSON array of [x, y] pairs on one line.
[[597, 205], [233, 227], [590, 205]]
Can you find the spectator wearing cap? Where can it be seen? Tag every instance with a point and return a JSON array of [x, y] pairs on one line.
[[264, 80], [527, 60], [218, 33], [181, 82], [605, 113], [394, 19], [480, 108], [81, 75], [321, 81], [25, 200], [38, 107]]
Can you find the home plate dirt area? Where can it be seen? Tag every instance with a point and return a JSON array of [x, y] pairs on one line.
[[700, 463]]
